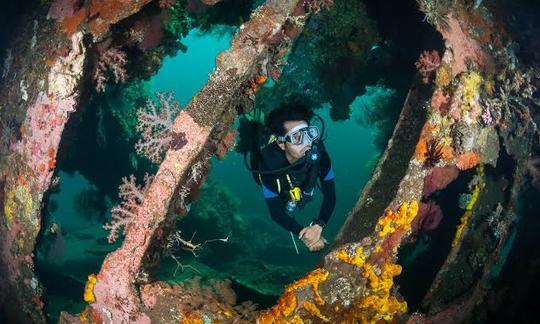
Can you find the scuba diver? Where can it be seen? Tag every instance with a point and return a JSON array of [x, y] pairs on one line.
[[289, 168]]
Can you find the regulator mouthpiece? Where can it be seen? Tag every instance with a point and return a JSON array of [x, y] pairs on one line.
[[312, 155]]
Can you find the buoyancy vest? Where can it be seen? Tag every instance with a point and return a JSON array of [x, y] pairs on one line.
[[303, 176]]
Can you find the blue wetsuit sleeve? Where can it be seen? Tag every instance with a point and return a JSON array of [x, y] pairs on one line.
[[267, 193]]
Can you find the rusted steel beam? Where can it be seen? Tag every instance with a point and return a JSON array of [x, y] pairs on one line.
[[390, 170], [46, 95]]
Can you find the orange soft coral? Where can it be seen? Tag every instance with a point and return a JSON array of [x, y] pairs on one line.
[[421, 149], [467, 160], [71, 23], [447, 152], [427, 134]]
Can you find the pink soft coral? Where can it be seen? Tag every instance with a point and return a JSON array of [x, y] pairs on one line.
[[113, 60], [132, 195], [427, 63], [155, 124]]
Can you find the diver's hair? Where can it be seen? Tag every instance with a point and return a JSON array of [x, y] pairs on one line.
[[287, 111]]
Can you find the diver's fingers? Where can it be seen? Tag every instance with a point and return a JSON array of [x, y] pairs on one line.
[[302, 232], [317, 246]]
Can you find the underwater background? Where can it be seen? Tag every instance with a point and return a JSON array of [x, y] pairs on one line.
[[355, 72], [259, 257]]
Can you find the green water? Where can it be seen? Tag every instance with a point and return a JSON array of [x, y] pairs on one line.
[[260, 256]]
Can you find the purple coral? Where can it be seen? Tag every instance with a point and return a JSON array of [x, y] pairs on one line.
[[439, 178], [153, 33], [155, 125], [113, 60], [132, 196], [431, 215]]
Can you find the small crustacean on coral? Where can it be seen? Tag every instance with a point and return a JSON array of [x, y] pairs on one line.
[[433, 154]]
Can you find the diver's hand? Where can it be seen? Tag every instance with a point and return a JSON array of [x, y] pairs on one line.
[[317, 246], [311, 234]]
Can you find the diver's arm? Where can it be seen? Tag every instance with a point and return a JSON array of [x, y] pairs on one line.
[[275, 206], [328, 189]]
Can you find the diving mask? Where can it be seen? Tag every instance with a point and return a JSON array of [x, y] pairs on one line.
[[301, 134]]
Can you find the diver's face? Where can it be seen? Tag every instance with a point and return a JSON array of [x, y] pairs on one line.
[[294, 152]]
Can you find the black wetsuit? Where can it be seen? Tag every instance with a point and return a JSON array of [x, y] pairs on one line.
[[276, 186]]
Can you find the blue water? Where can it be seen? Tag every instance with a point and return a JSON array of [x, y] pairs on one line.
[[187, 73]]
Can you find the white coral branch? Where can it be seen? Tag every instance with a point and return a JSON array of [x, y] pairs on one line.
[[155, 125], [132, 196]]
